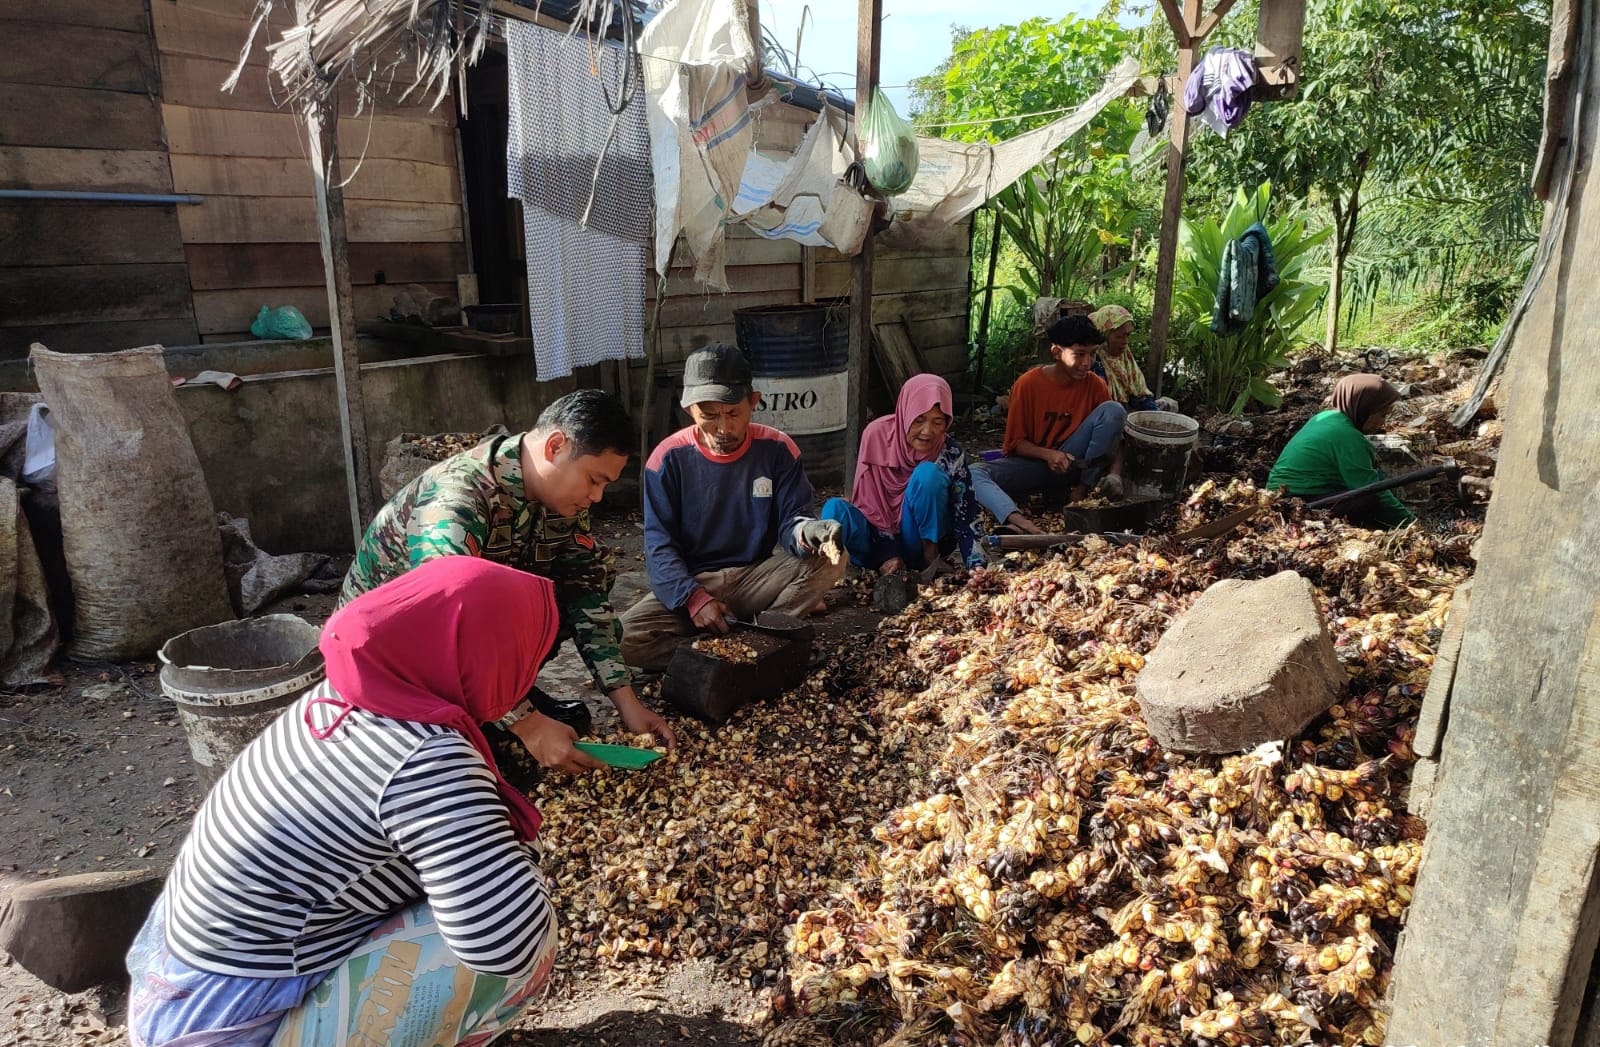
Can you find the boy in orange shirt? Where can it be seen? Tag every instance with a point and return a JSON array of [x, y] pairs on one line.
[[1062, 428]]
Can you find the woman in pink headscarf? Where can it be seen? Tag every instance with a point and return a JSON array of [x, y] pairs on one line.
[[368, 829], [912, 503]]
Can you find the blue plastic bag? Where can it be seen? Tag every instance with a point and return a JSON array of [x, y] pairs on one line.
[[283, 322]]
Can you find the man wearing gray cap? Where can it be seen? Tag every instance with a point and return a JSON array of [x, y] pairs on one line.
[[729, 519]]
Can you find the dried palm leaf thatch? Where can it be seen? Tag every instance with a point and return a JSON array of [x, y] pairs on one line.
[[414, 47]]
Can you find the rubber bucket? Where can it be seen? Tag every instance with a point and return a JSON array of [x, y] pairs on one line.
[[1156, 451], [230, 681]]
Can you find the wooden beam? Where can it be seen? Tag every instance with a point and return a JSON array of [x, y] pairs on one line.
[[869, 21], [323, 124], [1171, 209], [1209, 22], [1178, 21]]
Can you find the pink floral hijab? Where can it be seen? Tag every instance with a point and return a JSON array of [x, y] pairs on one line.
[[887, 461]]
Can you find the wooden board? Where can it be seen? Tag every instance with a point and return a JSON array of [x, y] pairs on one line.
[[678, 342], [220, 132], [220, 312], [37, 233], [88, 293], [221, 267], [73, 116], [897, 275], [716, 309], [923, 305], [193, 81], [741, 278], [127, 15], [97, 337], [946, 330], [948, 360], [46, 52], [897, 356], [244, 220], [182, 29], [378, 179], [116, 171]]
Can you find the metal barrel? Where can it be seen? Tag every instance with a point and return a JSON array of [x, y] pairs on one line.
[[800, 356]]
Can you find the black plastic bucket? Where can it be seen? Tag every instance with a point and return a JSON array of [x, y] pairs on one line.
[[1156, 451]]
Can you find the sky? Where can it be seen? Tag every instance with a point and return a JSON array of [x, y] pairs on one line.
[[916, 35]]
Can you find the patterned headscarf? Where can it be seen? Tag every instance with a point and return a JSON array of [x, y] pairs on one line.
[[1110, 317]]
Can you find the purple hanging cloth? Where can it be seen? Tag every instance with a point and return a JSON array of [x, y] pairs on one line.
[[1221, 88]]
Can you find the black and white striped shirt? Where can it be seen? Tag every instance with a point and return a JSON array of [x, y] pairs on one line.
[[306, 845]]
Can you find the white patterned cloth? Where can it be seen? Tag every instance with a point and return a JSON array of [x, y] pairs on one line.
[[586, 261]]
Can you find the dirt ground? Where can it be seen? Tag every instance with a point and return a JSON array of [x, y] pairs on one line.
[[95, 775]]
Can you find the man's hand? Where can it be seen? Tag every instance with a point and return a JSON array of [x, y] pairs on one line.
[[818, 536], [713, 617], [550, 742], [1060, 462], [638, 719]]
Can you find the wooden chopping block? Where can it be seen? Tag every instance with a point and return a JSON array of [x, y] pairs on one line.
[[712, 687]]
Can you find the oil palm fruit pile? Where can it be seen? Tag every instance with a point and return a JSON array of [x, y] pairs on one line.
[[1059, 878]]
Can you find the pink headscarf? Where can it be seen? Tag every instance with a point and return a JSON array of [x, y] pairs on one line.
[[887, 460], [455, 641]]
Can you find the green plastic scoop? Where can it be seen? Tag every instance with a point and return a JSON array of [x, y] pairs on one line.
[[619, 755]]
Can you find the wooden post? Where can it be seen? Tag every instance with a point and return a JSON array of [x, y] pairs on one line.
[[1172, 208], [1499, 945], [869, 15], [322, 121]]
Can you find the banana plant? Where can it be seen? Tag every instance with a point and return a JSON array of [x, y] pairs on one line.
[[1230, 371]]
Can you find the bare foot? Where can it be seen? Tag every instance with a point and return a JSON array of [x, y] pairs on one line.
[[820, 607], [891, 566]]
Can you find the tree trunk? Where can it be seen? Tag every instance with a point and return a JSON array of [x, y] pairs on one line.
[[1330, 341]]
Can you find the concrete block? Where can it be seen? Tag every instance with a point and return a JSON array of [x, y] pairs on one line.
[[1250, 662], [73, 932]]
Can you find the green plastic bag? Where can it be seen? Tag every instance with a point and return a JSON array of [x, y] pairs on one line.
[[888, 147], [283, 322]]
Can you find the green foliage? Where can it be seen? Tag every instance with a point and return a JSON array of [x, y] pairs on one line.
[[1070, 216], [1228, 372], [1414, 128], [1010, 349]]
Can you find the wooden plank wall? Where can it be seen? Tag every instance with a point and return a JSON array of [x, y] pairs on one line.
[[78, 87], [927, 288], [254, 241]]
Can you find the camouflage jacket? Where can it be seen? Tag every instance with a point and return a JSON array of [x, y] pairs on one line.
[[474, 504]]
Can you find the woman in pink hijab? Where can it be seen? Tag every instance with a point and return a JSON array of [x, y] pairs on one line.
[[912, 503]]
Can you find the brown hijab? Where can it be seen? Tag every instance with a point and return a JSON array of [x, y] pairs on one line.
[[1357, 396]]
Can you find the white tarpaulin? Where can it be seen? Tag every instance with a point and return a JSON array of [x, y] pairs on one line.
[[956, 178], [696, 54], [708, 172]]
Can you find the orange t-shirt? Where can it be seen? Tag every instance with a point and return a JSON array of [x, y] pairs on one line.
[[1046, 412]]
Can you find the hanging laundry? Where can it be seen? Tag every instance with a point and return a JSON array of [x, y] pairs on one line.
[[1221, 88], [583, 176], [1155, 117], [1247, 275], [697, 57]]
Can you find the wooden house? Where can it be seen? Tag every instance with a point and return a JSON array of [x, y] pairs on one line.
[[212, 214]]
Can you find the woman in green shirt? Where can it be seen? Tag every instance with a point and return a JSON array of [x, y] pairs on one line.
[[1330, 453]]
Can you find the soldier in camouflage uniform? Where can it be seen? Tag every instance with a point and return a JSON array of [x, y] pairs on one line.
[[523, 500]]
